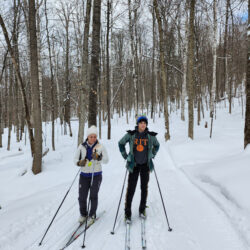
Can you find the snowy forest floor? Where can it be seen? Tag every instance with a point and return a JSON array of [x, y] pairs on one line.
[[205, 185]]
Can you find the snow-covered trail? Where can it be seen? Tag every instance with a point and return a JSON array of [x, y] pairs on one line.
[[198, 221], [29, 202], [198, 224]]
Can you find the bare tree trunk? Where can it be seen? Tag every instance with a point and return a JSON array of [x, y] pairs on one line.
[[184, 83], [199, 109], [26, 18], [212, 97], [84, 82], [67, 80], [16, 52], [40, 77], [3, 96], [225, 84], [51, 81], [5, 112], [10, 103], [95, 67], [58, 94], [247, 117], [120, 40], [134, 52], [37, 157], [100, 109], [22, 121], [153, 85], [107, 69], [190, 75], [163, 70]]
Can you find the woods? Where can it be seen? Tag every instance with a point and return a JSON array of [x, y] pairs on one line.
[[93, 60]]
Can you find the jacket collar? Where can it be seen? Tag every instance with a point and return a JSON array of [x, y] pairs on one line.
[[132, 132], [86, 144]]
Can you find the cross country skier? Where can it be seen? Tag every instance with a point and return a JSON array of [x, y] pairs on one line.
[[90, 155], [143, 146]]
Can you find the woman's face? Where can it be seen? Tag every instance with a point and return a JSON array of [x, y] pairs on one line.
[[92, 139]]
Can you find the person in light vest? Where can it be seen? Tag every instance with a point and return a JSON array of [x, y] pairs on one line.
[[90, 156]]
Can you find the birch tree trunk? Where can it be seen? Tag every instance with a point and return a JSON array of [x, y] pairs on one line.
[[213, 89], [58, 93], [51, 80], [184, 82], [67, 80], [84, 82], [133, 46], [163, 70]]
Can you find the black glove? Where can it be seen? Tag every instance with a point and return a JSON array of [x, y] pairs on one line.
[[97, 157]]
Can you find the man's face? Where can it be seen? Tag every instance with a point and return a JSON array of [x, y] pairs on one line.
[[92, 139], [142, 126]]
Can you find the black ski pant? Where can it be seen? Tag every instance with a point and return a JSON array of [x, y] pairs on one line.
[[84, 187], [143, 170]]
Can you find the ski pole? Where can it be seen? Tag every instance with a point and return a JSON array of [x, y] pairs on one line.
[[169, 229], [112, 232], [86, 222], [59, 207]]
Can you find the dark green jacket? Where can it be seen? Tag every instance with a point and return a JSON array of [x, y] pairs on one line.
[[153, 147]]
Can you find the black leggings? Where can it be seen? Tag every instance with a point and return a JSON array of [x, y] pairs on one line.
[[84, 187], [143, 170]]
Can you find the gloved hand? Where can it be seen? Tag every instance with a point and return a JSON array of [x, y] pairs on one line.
[[96, 156], [124, 155], [82, 163]]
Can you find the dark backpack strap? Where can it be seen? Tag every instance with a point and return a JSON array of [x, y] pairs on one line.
[[84, 145], [152, 133], [131, 132]]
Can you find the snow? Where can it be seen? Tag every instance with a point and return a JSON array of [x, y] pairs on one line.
[[204, 182]]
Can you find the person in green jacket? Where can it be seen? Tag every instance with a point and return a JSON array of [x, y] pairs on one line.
[[143, 147]]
